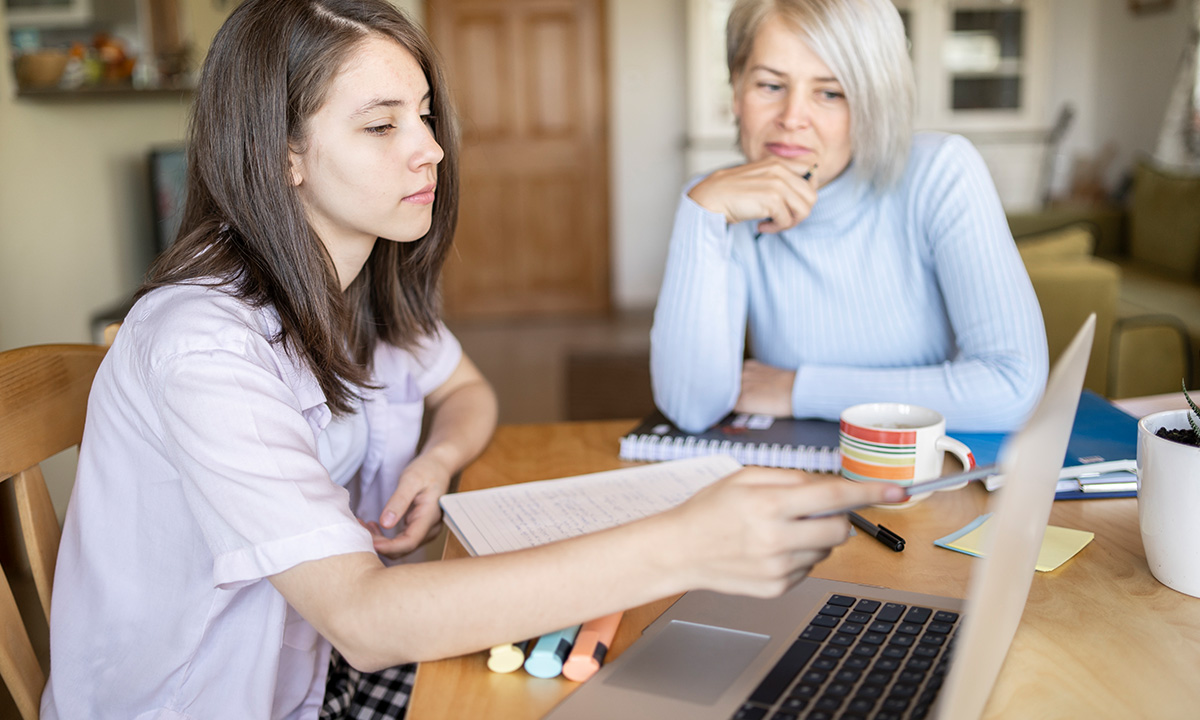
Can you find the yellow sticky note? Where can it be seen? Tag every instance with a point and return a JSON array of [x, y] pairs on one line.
[[1058, 545]]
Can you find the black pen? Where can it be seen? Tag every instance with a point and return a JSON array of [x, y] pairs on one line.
[[879, 532]]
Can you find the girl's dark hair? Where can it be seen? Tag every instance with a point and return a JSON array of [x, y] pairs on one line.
[[244, 229]]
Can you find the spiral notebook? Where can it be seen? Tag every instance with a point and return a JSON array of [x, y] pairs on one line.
[[803, 444]]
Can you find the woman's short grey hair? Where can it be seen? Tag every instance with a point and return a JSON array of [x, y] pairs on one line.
[[863, 43]]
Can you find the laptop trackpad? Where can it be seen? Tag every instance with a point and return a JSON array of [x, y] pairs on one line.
[[689, 662]]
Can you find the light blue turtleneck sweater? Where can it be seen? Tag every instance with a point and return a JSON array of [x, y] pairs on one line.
[[914, 294]]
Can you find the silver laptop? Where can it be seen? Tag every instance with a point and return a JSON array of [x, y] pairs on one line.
[[830, 649]]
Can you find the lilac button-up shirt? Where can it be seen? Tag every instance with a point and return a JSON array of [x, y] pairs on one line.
[[199, 478]]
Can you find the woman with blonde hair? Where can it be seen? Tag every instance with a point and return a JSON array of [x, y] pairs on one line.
[[860, 261]]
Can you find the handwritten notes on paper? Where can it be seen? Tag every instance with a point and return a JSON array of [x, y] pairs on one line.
[[519, 516]]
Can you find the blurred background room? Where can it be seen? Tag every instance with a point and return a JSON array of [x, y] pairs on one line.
[[582, 119]]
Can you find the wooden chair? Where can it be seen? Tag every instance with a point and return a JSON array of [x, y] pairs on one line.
[[43, 401]]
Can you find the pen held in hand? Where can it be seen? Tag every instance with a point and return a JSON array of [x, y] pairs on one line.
[[806, 176], [879, 532]]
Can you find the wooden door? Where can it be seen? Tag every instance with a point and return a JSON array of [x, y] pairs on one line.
[[528, 81]]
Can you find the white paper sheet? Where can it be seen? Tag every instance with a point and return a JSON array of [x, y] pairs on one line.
[[528, 514]]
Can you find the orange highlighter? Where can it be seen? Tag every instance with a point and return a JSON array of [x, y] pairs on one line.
[[590, 647]]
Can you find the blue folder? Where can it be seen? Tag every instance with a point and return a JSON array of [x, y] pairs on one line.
[[1102, 432]]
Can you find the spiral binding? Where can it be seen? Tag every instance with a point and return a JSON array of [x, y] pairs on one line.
[[654, 448]]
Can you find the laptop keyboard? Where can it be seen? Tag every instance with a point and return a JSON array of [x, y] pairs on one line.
[[858, 659]]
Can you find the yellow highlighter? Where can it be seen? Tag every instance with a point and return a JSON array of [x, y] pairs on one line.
[[590, 647], [507, 657]]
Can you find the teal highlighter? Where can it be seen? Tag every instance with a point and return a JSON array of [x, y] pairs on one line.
[[547, 657]]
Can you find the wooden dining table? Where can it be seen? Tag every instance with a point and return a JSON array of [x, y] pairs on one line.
[[1099, 637]]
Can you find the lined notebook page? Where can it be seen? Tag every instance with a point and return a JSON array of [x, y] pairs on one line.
[[521, 516]]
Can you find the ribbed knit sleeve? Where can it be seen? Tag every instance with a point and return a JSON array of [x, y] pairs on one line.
[[696, 343]]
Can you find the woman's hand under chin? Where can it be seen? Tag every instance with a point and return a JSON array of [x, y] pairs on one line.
[[769, 190]]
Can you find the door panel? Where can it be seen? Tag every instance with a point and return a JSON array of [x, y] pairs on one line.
[[528, 81]]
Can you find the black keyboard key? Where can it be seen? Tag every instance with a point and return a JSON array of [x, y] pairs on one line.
[[918, 615], [867, 606], [860, 705], [750, 712], [861, 618], [850, 628], [804, 690], [882, 627], [873, 638], [891, 612], [919, 712], [794, 704], [939, 627], [926, 651], [903, 690], [819, 715], [929, 639], [910, 676], [814, 677], [828, 703], [856, 663], [824, 621], [839, 689], [814, 633], [824, 663], [842, 640], [921, 664], [785, 715], [842, 600], [847, 676], [865, 650], [896, 704], [833, 651], [909, 629], [788, 667], [897, 652], [944, 616], [889, 715], [877, 677], [902, 640], [887, 664], [869, 692], [832, 611]]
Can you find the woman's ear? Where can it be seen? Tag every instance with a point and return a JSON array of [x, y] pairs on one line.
[[735, 86], [296, 166]]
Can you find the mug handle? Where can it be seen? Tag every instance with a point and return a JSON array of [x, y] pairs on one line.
[[945, 443]]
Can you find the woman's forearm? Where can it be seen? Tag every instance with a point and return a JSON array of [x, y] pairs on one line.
[[697, 340], [463, 418]]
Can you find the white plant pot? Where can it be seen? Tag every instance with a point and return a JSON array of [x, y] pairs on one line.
[[1169, 502]]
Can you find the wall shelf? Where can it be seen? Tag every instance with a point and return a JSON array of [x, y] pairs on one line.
[[101, 92]]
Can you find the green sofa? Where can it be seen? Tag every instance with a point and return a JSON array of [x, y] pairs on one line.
[[1151, 249]]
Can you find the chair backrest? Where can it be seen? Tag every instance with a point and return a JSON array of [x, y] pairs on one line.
[[43, 402]]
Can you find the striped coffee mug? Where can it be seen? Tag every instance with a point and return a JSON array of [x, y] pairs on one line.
[[897, 443]]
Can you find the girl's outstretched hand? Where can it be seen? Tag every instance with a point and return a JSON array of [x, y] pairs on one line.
[[760, 531]]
